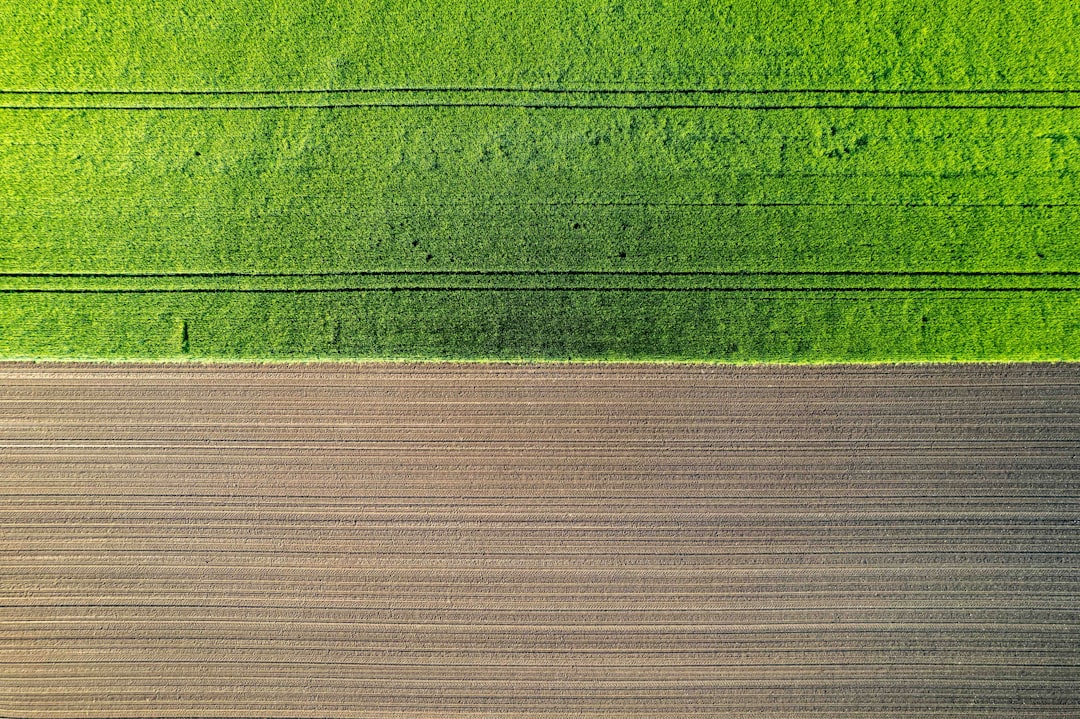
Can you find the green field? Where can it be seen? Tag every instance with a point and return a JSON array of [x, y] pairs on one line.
[[655, 180]]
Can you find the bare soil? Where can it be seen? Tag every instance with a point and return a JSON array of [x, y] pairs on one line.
[[539, 540]]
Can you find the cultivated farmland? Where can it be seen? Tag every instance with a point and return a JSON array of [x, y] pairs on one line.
[[587, 180], [581, 180], [567, 540]]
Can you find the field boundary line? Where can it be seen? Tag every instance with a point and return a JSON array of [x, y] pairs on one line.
[[703, 204], [546, 91], [538, 288], [555, 273], [525, 106]]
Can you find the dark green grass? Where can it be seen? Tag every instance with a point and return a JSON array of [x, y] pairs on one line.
[[910, 194], [550, 324]]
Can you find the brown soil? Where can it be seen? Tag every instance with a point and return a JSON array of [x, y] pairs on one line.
[[445, 540]]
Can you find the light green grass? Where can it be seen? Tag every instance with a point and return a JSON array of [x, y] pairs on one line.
[[517, 224]]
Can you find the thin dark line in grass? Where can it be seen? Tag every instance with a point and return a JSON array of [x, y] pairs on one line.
[[552, 91], [446, 288], [552, 273], [520, 106], [616, 203], [691, 204], [848, 205]]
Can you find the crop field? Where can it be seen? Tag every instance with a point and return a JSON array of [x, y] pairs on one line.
[[567, 540], [577, 179], [816, 268]]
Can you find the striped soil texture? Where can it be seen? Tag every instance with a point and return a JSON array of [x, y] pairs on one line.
[[539, 540]]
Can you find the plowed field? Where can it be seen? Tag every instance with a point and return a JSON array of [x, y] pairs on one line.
[[575, 540]]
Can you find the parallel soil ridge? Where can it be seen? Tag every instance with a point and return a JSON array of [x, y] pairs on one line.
[[571, 540]]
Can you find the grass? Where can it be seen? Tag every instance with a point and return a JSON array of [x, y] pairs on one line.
[[896, 183]]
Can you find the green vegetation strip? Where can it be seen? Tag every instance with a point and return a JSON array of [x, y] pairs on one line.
[[586, 179], [509, 281], [542, 99]]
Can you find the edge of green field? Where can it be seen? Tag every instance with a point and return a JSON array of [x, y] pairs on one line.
[[580, 181], [515, 362]]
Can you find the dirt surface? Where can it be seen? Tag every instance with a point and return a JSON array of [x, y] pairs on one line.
[[442, 540]]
